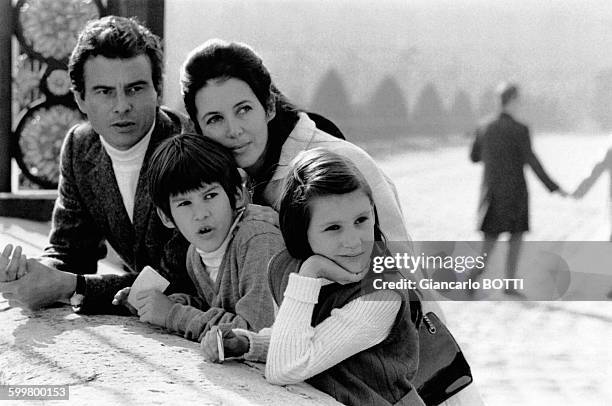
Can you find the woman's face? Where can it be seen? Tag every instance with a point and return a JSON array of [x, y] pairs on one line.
[[342, 229], [229, 112]]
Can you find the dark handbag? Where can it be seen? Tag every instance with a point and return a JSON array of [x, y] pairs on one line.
[[443, 370]]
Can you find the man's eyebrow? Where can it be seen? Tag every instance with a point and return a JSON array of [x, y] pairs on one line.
[[96, 87], [137, 83], [131, 84]]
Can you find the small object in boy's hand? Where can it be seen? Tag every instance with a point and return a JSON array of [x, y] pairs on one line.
[[220, 346], [147, 279]]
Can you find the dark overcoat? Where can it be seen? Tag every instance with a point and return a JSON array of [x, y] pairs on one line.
[[504, 146]]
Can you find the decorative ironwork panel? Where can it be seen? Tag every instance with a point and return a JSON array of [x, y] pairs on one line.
[[44, 109]]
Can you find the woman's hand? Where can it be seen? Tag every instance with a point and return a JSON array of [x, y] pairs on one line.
[[318, 266], [233, 345], [263, 213]]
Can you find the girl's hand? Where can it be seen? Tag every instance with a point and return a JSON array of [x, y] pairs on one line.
[[153, 307], [263, 213], [233, 345], [318, 266], [121, 299]]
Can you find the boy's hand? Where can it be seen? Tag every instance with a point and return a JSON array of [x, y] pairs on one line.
[[180, 298], [153, 307], [318, 266], [13, 266], [233, 345], [263, 213], [121, 299]]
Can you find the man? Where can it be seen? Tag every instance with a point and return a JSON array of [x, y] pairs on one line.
[[116, 72], [504, 146]]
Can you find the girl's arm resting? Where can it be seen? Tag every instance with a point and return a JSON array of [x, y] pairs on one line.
[[298, 351]]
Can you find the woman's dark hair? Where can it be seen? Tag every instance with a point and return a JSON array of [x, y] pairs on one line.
[[221, 60], [186, 162], [316, 172], [115, 37]]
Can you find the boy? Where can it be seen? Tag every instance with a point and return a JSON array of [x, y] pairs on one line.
[[197, 189]]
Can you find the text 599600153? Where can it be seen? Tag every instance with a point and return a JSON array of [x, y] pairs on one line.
[[34, 392]]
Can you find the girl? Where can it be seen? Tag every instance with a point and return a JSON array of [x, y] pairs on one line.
[[332, 330]]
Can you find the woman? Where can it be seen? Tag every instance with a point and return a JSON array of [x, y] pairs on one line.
[[229, 95]]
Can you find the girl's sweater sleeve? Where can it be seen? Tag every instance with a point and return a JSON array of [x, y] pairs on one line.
[[298, 351]]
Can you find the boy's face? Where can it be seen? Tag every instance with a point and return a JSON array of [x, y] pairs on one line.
[[203, 216]]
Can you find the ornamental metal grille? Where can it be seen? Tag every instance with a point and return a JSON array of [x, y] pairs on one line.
[[43, 106]]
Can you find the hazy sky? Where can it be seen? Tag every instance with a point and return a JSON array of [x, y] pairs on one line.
[[552, 47]]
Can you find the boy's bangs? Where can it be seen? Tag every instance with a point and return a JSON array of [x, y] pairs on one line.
[[187, 176]]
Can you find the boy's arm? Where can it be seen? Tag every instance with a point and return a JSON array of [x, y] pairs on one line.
[[254, 309], [258, 343]]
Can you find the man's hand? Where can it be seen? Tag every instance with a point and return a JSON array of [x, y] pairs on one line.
[[121, 299], [41, 286], [153, 307], [233, 345], [263, 213], [13, 264], [318, 266]]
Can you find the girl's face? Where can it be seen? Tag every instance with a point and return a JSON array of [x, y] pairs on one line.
[[229, 112], [342, 229]]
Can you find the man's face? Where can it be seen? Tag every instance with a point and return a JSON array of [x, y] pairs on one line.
[[119, 98]]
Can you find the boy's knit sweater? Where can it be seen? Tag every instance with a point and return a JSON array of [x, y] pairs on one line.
[[240, 297]]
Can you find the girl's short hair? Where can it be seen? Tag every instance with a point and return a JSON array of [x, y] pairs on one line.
[[186, 162], [316, 172]]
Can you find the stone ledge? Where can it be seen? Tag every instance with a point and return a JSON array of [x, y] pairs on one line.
[[34, 205]]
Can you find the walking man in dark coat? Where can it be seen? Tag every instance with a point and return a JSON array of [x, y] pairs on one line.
[[504, 146]]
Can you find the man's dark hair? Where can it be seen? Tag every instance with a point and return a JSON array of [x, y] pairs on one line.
[[186, 162], [507, 92], [115, 37]]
